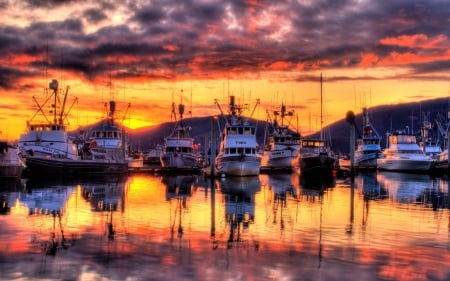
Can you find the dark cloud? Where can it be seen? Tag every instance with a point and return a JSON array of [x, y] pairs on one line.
[[50, 3], [94, 15], [149, 15], [166, 39]]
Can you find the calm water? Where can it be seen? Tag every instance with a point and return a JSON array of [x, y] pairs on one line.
[[389, 226]]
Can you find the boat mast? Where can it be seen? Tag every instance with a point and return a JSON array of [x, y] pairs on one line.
[[321, 109]]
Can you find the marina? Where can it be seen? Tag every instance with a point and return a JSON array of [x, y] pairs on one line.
[[193, 144], [265, 227]]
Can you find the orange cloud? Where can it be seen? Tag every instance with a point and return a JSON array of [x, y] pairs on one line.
[[171, 48], [279, 65], [421, 41], [410, 57], [369, 59]]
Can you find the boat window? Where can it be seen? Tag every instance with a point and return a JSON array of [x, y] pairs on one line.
[[248, 150], [240, 150], [233, 150], [240, 131], [247, 131]]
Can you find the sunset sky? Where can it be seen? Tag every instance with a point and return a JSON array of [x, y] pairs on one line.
[[153, 53]]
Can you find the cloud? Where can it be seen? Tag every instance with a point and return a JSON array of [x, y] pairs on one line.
[[197, 39]]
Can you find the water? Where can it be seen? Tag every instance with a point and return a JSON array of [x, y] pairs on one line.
[[389, 226]]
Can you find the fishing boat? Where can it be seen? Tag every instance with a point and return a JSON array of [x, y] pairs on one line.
[[282, 151], [238, 147], [441, 164], [11, 164], [316, 157], [152, 157], [47, 135], [429, 140], [403, 154], [368, 147], [179, 150], [100, 151]]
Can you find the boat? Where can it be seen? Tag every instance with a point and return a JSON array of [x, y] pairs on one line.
[[403, 154], [11, 164], [429, 139], [101, 150], [152, 157], [316, 157], [179, 149], [237, 155], [441, 164], [47, 135], [282, 151], [368, 147]]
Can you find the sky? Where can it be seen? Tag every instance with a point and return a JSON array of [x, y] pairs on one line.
[[150, 54]]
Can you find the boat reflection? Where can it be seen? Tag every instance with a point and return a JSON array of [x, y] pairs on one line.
[[49, 200], [106, 196], [10, 190], [238, 195], [179, 189], [367, 183], [409, 188], [284, 188], [315, 185]]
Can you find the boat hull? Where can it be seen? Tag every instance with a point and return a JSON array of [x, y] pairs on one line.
[[279, 160], [238, 166], [37, 165], [179, 161], [404, 164], [367, 162], [318, 166]]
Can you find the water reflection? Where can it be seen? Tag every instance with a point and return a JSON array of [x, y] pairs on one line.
[[179, 189], [238, 195], [416, 189], [107, 196], [183, 227], [10, 190]]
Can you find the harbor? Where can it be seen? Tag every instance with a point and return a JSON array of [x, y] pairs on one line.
[[224, 140]]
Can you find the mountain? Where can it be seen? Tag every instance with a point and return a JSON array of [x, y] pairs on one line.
[[145, 138], [384, 118], [388, 118]]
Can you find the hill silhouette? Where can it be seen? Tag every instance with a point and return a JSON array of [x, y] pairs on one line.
[[384, 118]]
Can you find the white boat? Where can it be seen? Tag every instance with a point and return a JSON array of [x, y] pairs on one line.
[[283, 147], [46, 135], [403, 154], [100, 151], [179, 153], [368, 147], [11, 165], [238, 147], [152, 157]]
